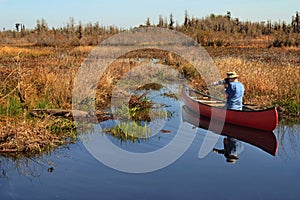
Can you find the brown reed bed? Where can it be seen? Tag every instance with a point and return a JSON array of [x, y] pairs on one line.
[[29, 137], [267, 84], [30, 78], [43, 78]]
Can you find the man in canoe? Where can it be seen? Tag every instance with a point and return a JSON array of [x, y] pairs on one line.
[[231, 148], [234, 92]]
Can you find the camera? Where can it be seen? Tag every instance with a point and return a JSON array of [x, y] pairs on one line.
[[221, 82]]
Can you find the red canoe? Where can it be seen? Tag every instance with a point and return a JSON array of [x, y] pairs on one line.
[[264, 140], [266, 119]]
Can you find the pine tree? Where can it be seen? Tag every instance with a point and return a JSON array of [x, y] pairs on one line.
[[228, 15], [186, 19], [160, 21], [17, 25], [148, 23], [171, 24], [79, 30], [297, 22]]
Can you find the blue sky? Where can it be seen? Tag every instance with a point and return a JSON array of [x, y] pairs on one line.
[[132, 13]]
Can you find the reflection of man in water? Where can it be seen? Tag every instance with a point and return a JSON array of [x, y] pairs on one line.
[[231, 148]]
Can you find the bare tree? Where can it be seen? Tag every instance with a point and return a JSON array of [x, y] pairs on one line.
[[18, 25]]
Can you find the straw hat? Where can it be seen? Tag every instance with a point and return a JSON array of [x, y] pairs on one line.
[[232, 158], [232, 75]]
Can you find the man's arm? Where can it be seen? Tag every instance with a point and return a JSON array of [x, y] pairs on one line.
[[227, 91]]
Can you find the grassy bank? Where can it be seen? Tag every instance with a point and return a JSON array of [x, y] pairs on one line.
[[34, 136]]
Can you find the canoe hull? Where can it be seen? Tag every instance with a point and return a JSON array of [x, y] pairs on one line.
[[266, 119], [265, 140]]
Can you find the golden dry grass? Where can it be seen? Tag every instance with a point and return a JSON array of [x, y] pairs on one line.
[[264, 83], [16, 52], [81, 50], [30, 137]]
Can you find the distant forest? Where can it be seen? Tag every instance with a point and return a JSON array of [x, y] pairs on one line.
[[212, 30]]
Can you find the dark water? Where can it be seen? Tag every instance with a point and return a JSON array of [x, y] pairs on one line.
[[73, 173]]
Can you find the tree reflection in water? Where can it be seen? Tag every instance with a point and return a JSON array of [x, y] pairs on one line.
[[32, 167], [289, 141]]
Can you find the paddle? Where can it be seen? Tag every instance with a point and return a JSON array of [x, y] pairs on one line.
[[205, 95], [209, 96]]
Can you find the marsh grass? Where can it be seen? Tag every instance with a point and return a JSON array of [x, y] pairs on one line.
[[267, 84], [31, 78], [39, 77], [130, 131], [34, 136], [11, 107], [27, 52]]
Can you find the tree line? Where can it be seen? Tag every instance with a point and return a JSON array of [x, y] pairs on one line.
[[223, 30], [212, 30], [71, 34]]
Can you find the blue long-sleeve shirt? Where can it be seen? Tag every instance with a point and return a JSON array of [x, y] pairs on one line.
[[235, 91]]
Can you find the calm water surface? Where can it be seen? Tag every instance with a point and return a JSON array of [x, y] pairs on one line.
[[73, 173]]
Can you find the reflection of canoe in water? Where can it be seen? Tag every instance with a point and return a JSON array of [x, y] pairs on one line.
[[266, 119], [264, 140]]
